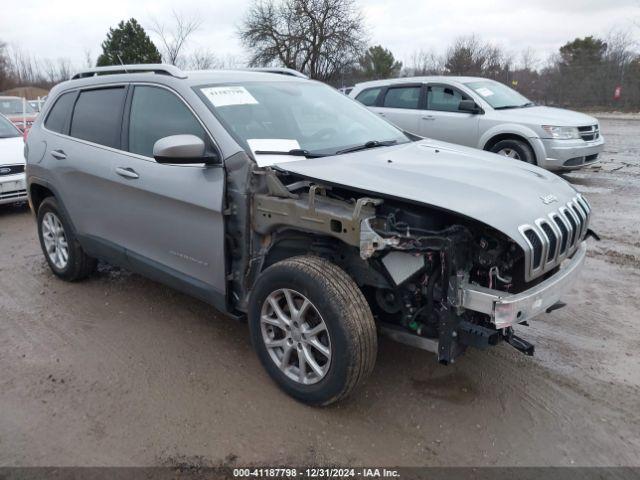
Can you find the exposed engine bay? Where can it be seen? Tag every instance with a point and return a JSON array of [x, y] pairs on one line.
[[407, 259]]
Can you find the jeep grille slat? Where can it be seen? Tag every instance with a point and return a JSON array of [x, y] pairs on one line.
[[564, 233], [550, 240], [573, 223], [536, 244], [553, 241]]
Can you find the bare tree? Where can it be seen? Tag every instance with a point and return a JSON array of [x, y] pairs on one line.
[[465, 56], [88, 61], [203, 60], [321, 38], [24, 66], [175, 35], [424, 62], [5, 67], [529, 59], [58, 71], [470, 55], [21, 69], [231, 62]]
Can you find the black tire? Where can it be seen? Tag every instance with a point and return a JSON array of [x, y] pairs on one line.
[[522, 149], [79, 265], [343, 309]]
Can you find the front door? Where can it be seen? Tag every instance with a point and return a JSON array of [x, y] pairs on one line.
[[442, 120], [170, 218]]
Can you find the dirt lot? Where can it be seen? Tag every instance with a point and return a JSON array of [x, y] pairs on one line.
[[118, 370]]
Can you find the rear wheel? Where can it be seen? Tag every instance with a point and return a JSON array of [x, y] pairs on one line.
[[60, 247], [516, 149], [312, 329]]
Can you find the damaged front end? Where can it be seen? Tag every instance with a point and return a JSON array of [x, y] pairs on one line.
[[433, 279]]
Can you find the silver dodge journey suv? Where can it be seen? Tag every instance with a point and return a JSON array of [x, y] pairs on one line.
[[279, 200], [483, 113]]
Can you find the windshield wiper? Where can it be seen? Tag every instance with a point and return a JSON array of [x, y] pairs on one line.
[[368, 145], [296, 152]]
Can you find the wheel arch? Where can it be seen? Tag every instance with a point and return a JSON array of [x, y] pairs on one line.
[[37, 194], [515, 132], [290, 243], [39, 190]]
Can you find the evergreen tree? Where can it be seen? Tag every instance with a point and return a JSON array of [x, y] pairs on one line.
[[379, 63], [129, 43]]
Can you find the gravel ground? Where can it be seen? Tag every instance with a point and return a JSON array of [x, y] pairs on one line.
[[119, 370]]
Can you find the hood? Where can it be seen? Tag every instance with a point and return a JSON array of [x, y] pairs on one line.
[[496, 191], [547, 116], [11, 151]]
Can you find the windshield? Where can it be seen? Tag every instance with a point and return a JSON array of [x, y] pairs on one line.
[[284, 116], [499, 96], [13, 106], [7, 130]]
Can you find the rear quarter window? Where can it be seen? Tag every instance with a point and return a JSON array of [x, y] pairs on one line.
[[60, 113], [97, 116]]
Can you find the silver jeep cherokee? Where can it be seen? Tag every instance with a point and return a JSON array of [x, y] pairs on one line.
[[277, 199]]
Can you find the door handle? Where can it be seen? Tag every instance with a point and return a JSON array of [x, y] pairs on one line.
[[58, 154], [381, 114], [428, 117], [127, 172]]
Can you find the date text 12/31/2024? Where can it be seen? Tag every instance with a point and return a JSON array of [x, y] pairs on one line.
[[315, 472]]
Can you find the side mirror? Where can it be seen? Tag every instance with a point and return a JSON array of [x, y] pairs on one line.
[[182, 150], [469, 106]]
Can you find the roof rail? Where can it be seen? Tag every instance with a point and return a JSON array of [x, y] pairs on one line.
[[278, 70], [159, 68]]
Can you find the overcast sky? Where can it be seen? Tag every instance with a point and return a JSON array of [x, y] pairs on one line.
[[69, 28]]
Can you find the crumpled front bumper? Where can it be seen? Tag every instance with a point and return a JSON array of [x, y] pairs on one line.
[[507, 309]]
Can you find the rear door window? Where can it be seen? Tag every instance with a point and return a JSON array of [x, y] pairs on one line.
[[157, 113], [58, 118], [402, 97], [444, 98], [97, 116], [369, 96]]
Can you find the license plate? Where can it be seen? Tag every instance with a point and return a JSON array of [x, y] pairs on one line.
[[7, 187]]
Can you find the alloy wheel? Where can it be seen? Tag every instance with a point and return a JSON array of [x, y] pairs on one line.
[[55, 240], [296, 336], [509, 152]]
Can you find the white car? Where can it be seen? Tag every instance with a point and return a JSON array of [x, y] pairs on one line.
[[12, 179], [482, 113]]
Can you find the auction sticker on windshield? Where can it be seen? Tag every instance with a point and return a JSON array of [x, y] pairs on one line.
[[229, 95], [484, 91]]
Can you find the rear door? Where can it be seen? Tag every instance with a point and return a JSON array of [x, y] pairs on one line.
[[169, 217], [79, 150], [401, 105], [442, 120]]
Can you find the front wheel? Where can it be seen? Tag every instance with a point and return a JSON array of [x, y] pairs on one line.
[[516, 149], [312, 329]]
